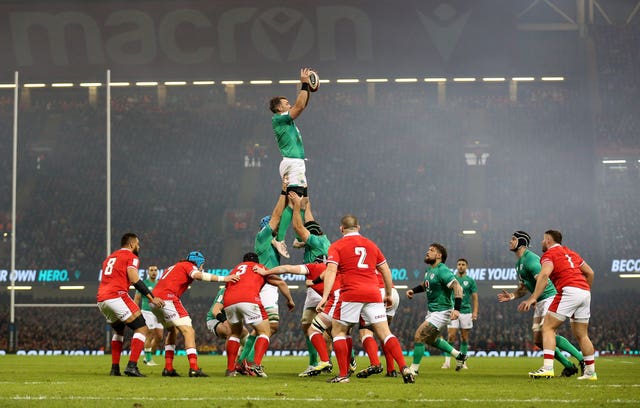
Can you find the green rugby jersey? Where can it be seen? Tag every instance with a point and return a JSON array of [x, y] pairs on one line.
[[267, 254], [468, 288], [315, 246], [288, 136], [527, 268], [144, 303], [217, 299], [439, 296]]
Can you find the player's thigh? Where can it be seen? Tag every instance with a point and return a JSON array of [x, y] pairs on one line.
[[122, 309], [439, 320], [307, 316], [348, 313], [151, 320]]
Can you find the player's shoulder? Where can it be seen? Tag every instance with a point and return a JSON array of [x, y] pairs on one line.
[[530, 255]]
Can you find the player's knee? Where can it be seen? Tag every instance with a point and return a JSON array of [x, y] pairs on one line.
[[138, 325], [118, 327]]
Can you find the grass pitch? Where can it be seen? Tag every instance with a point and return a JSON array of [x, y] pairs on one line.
[[81, 381]]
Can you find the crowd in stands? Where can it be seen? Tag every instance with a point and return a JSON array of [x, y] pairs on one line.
[[499, 326], [617, 129]]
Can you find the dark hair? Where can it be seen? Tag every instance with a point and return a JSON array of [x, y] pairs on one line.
[[250, 257], [127, 238], [463, 260], [274, 102], [555, 235], [441, 249]]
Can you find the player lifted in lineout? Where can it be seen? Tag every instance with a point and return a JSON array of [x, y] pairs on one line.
[[291, 147]]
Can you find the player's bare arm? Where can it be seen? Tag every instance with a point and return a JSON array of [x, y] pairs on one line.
[[418, 289], [298, 226], [209, 277], [457, 296], [587, 272], [279, 270], [505, 296], [474, 302], [283, 288], [303, 96], [329, 278], [388, 282]]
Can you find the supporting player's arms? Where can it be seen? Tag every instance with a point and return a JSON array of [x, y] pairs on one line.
[[298, 225]]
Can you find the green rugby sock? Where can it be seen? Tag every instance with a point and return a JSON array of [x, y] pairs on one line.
[[562, 359], [565, 345], [443, 345], [313, 354], [248, 347], [418, 353]]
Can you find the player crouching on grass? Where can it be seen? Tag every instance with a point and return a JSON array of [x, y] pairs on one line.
[[174, 282]]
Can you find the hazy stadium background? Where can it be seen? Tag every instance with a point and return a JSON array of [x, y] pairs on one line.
[[417, 160]]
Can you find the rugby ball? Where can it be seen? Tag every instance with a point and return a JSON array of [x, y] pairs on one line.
[[314, 81]]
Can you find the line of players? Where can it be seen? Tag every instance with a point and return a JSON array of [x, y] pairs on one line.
[[355, 287]]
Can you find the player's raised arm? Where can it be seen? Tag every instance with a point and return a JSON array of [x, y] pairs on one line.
[[303, 95]]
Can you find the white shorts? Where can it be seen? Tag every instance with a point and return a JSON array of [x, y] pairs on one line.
[[120, 308], [269, 299], [249, 313], [464, 321], [151, 320], [312, 299], [295, 170], [172, 314], [439, 319], [351, 312], [212, 326], [395, 301], [542, 307], [572, 302]]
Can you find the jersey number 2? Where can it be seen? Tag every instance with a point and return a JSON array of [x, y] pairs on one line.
[[362, 252]]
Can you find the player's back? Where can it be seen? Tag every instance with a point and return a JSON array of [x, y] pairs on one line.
[[114, 280], [247, 289], [566, 267], [175, 280], [357, 258]]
